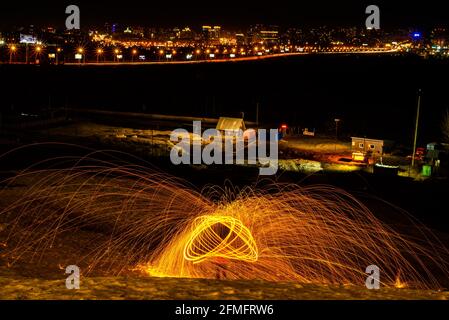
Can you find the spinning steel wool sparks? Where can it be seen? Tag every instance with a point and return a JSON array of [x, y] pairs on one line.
[[207, 240], [164, 227]]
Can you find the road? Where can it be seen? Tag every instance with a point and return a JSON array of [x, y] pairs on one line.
[[251, 58]]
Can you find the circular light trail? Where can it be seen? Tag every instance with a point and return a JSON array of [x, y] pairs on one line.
[[220, 236]]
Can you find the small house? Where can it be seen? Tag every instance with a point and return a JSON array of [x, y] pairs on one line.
[[372, 147], [230, 124]]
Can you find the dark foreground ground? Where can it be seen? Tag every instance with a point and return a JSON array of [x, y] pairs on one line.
[[118, 288]]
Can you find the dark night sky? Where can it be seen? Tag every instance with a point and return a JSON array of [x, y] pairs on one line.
[[394, 13]]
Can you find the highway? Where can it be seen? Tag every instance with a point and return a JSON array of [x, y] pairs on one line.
[[240, 59]]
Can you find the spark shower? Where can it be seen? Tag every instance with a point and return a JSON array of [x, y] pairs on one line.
[[164, 227]]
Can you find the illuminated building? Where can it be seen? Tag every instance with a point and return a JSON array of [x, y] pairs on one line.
[[241, 39], [211, 34], [187, 34], [266, 35]]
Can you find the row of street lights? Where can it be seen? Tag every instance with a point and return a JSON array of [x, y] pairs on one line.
[[81, 56], [13, 50], [80, 53]]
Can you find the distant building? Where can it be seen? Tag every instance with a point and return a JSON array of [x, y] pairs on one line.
[[241, 39], [187, 34], [371, 147], [266, 35], [437, 151], [230, 124], [211, 34]]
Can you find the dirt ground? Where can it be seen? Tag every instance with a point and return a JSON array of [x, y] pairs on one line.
[[134, 287]]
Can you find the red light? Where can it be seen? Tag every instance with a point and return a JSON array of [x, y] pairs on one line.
[[284, 126]]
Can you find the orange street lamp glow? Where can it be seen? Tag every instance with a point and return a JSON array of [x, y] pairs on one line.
[[80, 50], [38, 49], [12, 51]]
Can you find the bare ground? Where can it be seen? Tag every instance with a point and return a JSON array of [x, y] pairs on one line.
[[135, 287]]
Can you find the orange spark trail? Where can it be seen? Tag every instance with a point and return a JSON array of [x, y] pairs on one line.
[[162, 225]]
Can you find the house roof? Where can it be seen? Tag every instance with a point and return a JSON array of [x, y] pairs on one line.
[[368, 139], [225, 123]]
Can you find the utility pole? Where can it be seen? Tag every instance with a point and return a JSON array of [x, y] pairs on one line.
[[257, 114], [416, 127]]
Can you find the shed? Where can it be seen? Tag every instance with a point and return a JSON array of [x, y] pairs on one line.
[[365, 145], [230, 124]]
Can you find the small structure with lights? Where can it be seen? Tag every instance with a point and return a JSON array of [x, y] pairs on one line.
[[230, 124], [364, 148]]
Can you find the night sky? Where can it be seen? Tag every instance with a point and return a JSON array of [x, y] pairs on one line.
[[231, 14]]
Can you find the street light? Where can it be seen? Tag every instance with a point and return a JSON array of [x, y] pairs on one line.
[[81, 52], [38, 53], [337, 121], [58, 51], [134, 52], [161, 53], [99, 52], [12, 51]]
